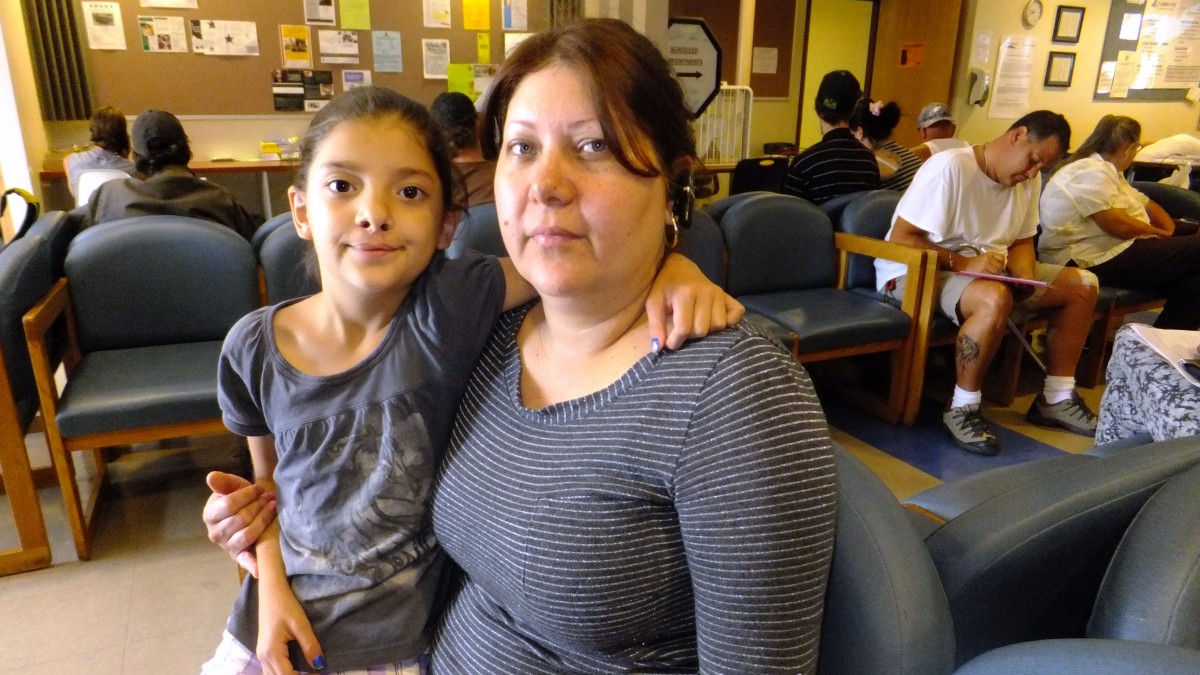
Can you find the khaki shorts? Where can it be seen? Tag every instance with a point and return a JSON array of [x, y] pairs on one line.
[[950, 287]]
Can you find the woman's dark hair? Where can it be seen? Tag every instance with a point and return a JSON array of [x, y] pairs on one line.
[[109, 130], [837, 95], [455, 115], [876, 119], [1112, 132], [375, 103], [639, 103]]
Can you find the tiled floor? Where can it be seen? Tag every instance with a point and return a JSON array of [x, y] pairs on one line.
[[154, 596], [156, 593]]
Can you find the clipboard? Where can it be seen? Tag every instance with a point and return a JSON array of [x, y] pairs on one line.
[[1007, 280]]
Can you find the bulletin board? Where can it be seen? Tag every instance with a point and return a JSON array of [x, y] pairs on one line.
[[1179, 50], [200, 84], [773, 30]]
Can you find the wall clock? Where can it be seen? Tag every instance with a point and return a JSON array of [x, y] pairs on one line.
[[1032, 13]]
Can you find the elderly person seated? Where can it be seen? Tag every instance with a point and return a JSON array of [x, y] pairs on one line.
[[1092, 218], [161, 153]]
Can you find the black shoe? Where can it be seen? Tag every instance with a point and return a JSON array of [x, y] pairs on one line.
[[969, 430]]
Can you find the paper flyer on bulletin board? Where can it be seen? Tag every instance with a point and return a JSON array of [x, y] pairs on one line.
[[436, 13], [385, 47], [476, 14], [225, 38], [103, 21], [436, 58], [296, 45], [1014, 79], [356, 15], [515, 15], [320, 12], [338, 46], [162, 34]]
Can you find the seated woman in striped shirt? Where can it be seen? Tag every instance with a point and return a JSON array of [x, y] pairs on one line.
[[872, 124]]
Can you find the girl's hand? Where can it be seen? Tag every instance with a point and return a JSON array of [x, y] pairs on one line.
[[235, 515], [696, 306], [281, 619]]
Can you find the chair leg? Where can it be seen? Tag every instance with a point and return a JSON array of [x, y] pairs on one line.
[[1000, 386], [77, 516], [1090, 370]]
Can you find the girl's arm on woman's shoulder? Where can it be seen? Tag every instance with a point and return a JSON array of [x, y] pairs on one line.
[[280, 616], [755, 493], [681, 293]]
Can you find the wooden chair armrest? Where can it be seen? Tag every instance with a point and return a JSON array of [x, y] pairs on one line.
[[922, 264], [37, 321]]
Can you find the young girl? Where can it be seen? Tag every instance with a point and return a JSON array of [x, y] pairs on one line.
[[872, 123], [346, 397]]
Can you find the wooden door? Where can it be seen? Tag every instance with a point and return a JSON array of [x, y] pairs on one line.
[[915, 43]]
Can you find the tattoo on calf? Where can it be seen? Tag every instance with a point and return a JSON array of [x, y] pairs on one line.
[[967, 350]]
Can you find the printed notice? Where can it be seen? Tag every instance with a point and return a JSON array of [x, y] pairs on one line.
[[385, 48], [1014, 72], [338, 46], [435, 55], [766, 60], [1131, 26], [103, 21], [436, 13], [483, 47], [1123, 74]]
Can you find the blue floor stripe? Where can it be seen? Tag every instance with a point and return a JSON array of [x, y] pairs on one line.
[[926, 445]]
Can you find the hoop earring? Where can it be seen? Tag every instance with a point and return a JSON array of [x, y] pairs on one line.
[[672, 232]]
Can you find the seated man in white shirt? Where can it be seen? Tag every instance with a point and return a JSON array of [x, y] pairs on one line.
[[985, 198], [937, 129]]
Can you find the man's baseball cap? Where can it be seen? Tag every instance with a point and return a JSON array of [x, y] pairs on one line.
[[932, 114]]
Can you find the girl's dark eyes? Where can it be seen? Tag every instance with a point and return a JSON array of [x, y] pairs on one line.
[[339, 185], [411, 192]]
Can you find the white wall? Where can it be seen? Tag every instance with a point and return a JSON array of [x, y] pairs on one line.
[[20, 113], [1159, 119]]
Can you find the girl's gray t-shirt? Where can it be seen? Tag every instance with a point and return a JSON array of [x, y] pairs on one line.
[[358, 452]]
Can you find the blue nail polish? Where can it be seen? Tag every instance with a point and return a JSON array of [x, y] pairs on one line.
[[654, 345], [319, 662]]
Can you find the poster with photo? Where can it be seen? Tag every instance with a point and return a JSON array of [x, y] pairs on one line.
[[162, 34], [318, 89], [296, 45], [320, 12], [103, 21], [287, 88]]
